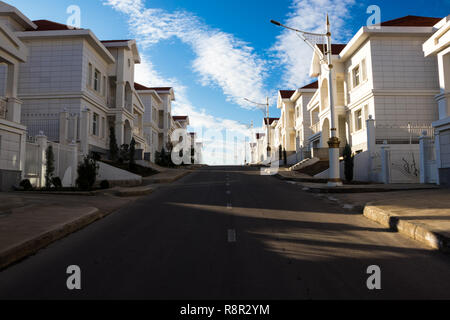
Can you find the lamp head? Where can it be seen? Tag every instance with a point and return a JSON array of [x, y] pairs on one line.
[[275, 23]]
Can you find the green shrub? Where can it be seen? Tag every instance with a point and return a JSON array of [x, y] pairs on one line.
[[87, 173], [348, 163], [113, 148], [49, 166], [132, 154], [104, 184], [57, 183], [26, 185]]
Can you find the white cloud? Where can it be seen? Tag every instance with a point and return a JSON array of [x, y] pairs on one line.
[[308, 15], [210, 129], [220, 59]]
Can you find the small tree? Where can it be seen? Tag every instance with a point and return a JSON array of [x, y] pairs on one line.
[[280, 153], [113, 148], [348, 163], [50, 166], [132, 154], [87, 173], [285, 156]]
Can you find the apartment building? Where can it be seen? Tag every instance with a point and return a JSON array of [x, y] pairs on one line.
[[74, 86], [439, 46], [285, 126], [302, 118], [158, 121], [13, 53], [380, 74]]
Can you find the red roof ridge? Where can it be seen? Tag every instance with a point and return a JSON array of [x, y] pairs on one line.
[[411, 21], [47, 25]]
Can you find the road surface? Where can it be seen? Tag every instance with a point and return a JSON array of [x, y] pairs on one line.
[[230, 233]]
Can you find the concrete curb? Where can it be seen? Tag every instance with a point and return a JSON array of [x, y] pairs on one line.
[[134, 192], [31, 246], [168, 180], [356, 188], [414, 230]]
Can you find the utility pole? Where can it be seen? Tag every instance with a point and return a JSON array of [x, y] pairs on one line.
[[267, 115], [334, 143]]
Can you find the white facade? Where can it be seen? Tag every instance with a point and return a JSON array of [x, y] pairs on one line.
[[439, 46], [13, 53]]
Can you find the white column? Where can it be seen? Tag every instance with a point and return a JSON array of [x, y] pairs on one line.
[[385, 164], [371, 135], [42, 147], [63, 127], [444, 81], [23, 150], [437, 147], [84, 131], [74, 162], [423, 140], [120, 132]]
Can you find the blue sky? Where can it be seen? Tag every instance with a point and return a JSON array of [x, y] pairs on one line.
[[217, 52]]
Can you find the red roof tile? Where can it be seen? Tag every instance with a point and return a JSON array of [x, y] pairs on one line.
[[47, 25], [180, 118], [411, 21], [138, 86], [271, 120], [313, 85], [335, 48], [286, 94]]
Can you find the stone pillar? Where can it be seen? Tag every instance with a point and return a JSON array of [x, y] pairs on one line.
[[63, 127], [444, 81], [120, 95], [371, 135], [84, 131], [23, 150], [13, 104], [41, 140], [385, 164], [423, 141], [74, 162], [437, 147], [120, 132]]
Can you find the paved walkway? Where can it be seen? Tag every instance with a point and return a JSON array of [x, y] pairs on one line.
[[29, 222], [423, 215], [167, 176]]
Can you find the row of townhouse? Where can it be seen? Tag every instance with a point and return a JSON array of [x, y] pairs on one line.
[[386, 93], [66, 84]]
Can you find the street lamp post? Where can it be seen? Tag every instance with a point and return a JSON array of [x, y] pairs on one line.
[[334, 143], [267, 105]]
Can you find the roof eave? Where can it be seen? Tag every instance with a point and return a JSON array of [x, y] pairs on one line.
[[86, 33]]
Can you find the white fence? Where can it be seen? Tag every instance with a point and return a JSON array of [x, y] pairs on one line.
[[66, 161], [402, 134]]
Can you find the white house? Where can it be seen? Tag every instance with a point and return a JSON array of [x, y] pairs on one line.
[[74, 86], [302, 119], [384, 91], [13, 53], [157, 118], [439, 45], [286, 126]]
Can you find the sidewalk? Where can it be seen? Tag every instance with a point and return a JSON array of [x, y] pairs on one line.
[[167, 176], [30, 222], [312, 184], [423, 215]]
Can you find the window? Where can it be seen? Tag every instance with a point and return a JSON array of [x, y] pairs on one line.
[[103, 127], [90, 75], [358, 120], [129, 63], [364, 70], [356, 77], [95, 124], [97, 80], [104, 86]]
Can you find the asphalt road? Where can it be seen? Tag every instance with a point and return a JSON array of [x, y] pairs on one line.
[[230, 233]]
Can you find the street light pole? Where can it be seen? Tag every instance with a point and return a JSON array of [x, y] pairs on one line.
[[334, 143], [267, 114]]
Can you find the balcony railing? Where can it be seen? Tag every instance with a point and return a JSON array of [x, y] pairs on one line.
[[316, 128], [2, 108]]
